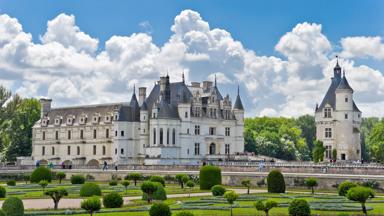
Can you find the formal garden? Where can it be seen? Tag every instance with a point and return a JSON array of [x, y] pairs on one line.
[[185, 195]]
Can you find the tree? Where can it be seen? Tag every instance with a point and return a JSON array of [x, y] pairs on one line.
[[360, 194], [190, 184], [311, 183], [299, 207], [246, 183], [43, 184], [231, 197], [265, 207], [60, 176], [125, 183], [56, 194], [249, 141], [343, 188], [180, 179], [334, 154], [149, 188], [275, 182], [318, 151], [375, 142], [160, 209], [91, 205], [308, 129], [134, 177]]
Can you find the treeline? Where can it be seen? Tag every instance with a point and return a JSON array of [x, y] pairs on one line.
[[17, 117]]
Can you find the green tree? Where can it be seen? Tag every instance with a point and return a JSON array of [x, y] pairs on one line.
[[149, 188], [134, 177], [56, 194], [43, 184], [91, 205], [318, 151], [179, 178], [360, 194], [375, 142], [249, 141], [308, 128], [265, 207], [246, 183], [231, 197], [191, 185], [311, 183], [334, 154], [60, 176], [125, 183]]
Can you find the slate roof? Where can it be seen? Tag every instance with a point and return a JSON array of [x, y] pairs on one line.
[[344, 84], [167, 111], [238, 103]]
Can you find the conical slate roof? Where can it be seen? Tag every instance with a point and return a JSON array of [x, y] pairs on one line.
[[344, 84], [238, 103]]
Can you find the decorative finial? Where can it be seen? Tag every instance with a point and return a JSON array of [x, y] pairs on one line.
[[238, 89], [134, 88], [215, 80], [182, 76]]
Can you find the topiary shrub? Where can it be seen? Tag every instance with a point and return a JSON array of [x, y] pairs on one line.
[[113, 200], [77, 179], [134, 177], [275, 182], [159, 194], [11, 183], [91, 205], [148, 189], [3, 192], [158, 179], [90, 189], [218, 190], [184, 213], [41, 173], [160, 209], [113, 183], [343, 188], [299, 207], [2, 213], [60, 176], [209, 176], [13, 206]]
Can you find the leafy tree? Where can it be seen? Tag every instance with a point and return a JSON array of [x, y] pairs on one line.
[[311, 183], [149, 188], [179, 178], [265, 207], [308, 129], [246, 183], [160, 209], [299, 207], [375, 142], [249, 141], [134, 177], [43, 184], [191, 185], [318, 151], [56, 194], [125, 183], [60, 176], [91, 205], [360, 194], [343, 188], [231, 197], [334, 154], [275, 182]]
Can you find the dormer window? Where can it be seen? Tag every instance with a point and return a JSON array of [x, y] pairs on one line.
[[70, 120], [107, 119], [327, 113], [44, 122], [96, 119], [58, 120]]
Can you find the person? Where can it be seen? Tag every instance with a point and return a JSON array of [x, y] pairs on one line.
[[37, 163], [105, 167], [115, 166]]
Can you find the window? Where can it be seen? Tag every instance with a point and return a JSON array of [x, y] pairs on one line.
[[161, 136], [154, 136], [81, 134], [115, 133], [328, 152], [94, 149], [53, 150], [122, 133], [186, 114], [358, 115], [197, 148], [173, 136], [227, 149], [227, 131], [56, 135], [122, 151], [43, 135], [115, 151], [343, 157], [68, 150], [346, 99], [197, 129], [187, 151], [328, 132], [78, 150], [327, 113], [212, 149], [212, 131], [214, 113], [106, 133], [43, 151], [94, 134], [346, 115], [69, 134], [167, 136], [104, 150], [187, 130]]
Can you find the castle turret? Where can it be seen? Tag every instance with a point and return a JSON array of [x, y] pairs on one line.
[[238, 108], [344, 95]]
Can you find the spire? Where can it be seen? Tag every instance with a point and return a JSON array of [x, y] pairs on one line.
[[238, 89], [215, 80], [134, 88], [344, 83], [182, 76], [238, 104]]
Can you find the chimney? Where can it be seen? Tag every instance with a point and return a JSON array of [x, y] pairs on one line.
[[207, 85], [142, 95], [163, 81], [45, 106]]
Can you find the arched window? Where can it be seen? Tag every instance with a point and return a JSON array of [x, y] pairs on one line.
[[167, 136], [161, 136], [154, 136], [212, 149], [173, 136], [104, 150]]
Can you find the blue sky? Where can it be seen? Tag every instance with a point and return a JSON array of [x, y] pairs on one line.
[[258, 26]]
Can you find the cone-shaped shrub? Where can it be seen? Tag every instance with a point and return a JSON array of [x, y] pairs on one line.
[[275, 182], [209, 177]]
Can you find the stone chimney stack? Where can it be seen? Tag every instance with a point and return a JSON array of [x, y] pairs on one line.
[[142, 95], [163, 82], [45, 106]]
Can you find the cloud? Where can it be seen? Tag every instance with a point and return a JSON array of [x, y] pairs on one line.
[[146, 27], [69, 66]]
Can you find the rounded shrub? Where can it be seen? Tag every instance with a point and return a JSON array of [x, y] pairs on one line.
[[41, 173], [113, 200], [2, 213], [3, 192], [218, 190], [299, 207], [113, 183], [77, 179], [159, 194], [275, 182], [60, 176], [91, 205], [90, 189], [13, 206], [343, 188], [11, 183], [160, 209], [184, 213], [209, 177], [158, 179]]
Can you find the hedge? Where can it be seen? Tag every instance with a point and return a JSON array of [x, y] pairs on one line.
[[160, 209], [77, 179], [41, 173], [299, 207], [275, 182], [13, 206], [113, 200], [90, 189], [209, 176], [218, 190], [3, 192]]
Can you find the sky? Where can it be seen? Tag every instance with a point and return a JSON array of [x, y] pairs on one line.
[[281, 53]]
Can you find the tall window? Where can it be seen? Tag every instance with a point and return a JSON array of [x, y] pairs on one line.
[[43, 151], [122, 133], [197, 148], [106, 133], [122, 151], [78, 150], [186, 114], [227, 131], [227, 149], [328, 152], [154, 136], [328, 132], [346, 99], [173, 136], [327, 113], [115, 133], [212, 131], [167, 136], [104, 150], [43, 135], [161, 136], [56, 135], [81, 134], [94, 134], [346, 115], [68, 150], [69, 134], [53, 150], [197, 129], [94, 149]]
